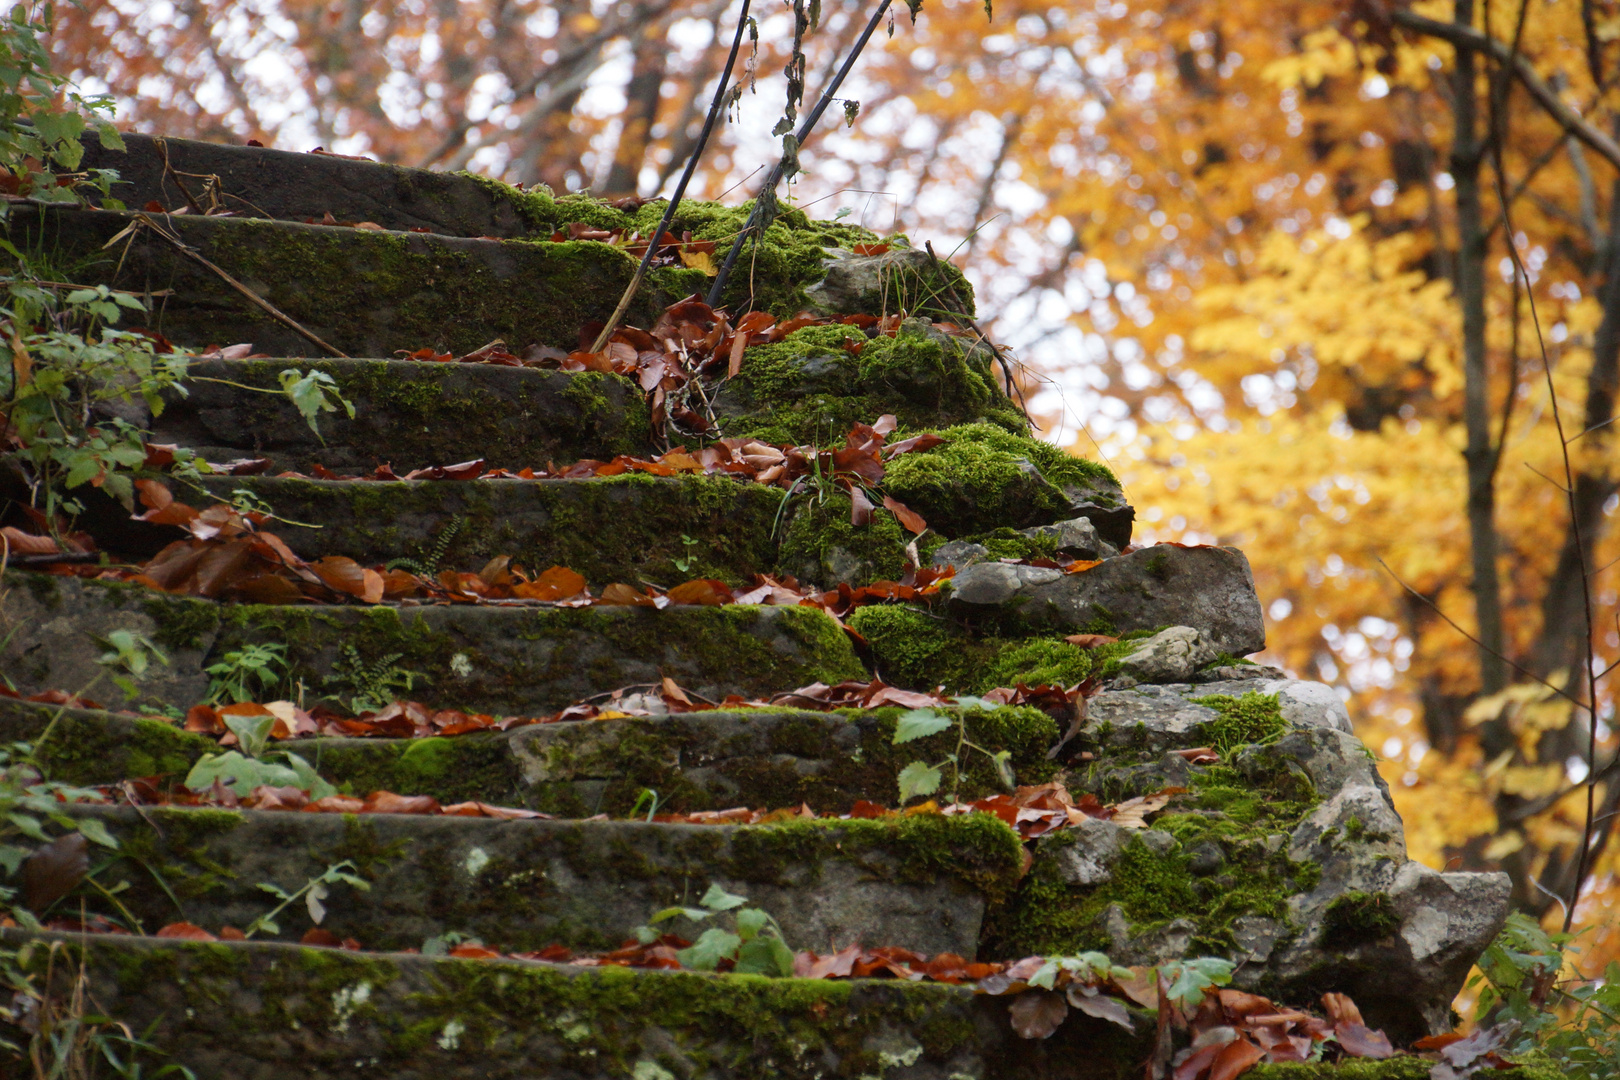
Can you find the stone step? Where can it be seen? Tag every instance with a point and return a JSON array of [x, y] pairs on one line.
[[524, 661], [921, 882], [628, 528], [758, 758], [803, 264], [408, 413], [1210, 589], [364, 292], [261, 182], [327, 1014]]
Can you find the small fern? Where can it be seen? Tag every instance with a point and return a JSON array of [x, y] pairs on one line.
[[368, 687], [428, 564]]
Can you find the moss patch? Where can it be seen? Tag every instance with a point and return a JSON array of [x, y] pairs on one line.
[[1252, 718], [820, 545], [814, 384], [983, 478]]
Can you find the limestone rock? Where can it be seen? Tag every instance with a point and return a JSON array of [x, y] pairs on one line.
[[1208, 588], [1170, 656], [1076, 538], [893, 281]]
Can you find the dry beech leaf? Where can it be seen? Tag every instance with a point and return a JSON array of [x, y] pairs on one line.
[[1036, 1014], [52, 871]]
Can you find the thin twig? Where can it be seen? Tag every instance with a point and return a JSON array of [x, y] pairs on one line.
[[799, 137], [1432, 606], [269, 308], [680, 189]]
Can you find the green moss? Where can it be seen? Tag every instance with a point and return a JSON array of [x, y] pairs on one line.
[[88, 747], [528, 659], [820, 545], [915, 649], [397, 1014], [182, 623], [983, 478], [920, 651], [1246, 818], [1252, 718], [817, 382], [1358, 917]]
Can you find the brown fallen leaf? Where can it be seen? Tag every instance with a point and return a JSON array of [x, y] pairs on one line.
[[53, 870], [1036, 1014]]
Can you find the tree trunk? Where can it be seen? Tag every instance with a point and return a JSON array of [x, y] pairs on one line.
[[1467, 156], [640, 113]]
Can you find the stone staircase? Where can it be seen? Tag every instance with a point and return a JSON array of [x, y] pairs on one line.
[[1279, 847]]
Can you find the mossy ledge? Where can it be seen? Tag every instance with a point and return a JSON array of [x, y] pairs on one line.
[[315, 1012]]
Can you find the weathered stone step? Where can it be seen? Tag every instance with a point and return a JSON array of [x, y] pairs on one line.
[[920, 882], [620, 528], [365, 292], [315, 1013], [1210, 589], [408, 413], [803, 264], [505, 660], [759, 758], [261, 182]]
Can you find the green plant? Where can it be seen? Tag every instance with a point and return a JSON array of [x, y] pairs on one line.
[[314, 893], [128, 657], [40, 140], [57, 1034], [1526, 1003], [368, 687], [685, 563], [251, 767], [234, 675], [921, 778], [64, 368], [755, 945], [428, 564]]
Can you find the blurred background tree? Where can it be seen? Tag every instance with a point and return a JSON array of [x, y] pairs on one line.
[[1293, 268]]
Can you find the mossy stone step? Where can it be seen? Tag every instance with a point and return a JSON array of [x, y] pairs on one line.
[[232, 1010], [626, 528], [504, 660], [365, 292], [287, 185], [760, 758], [921, 882], [408, 413]]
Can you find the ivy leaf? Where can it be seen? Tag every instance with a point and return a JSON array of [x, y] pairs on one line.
[[1188, 979], [717, 899], [919, 724], [706, 953], [765, 956], [253, 732], [919, 779], [94, 830], [750, 921]]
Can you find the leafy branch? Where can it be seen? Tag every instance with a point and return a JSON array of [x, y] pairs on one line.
[[921, 778]]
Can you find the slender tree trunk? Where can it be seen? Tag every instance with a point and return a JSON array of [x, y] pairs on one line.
[[1467, 156], [1563, 617], [640, 112]]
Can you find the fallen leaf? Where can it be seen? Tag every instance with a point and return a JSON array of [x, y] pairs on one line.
[[1036, 1014], [54, 869]]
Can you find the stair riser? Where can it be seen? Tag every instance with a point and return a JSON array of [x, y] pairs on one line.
[[629, 529], [365, 293], [408, 413], [702, 761], [239, 1011], [508, 661], [521, 885]]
